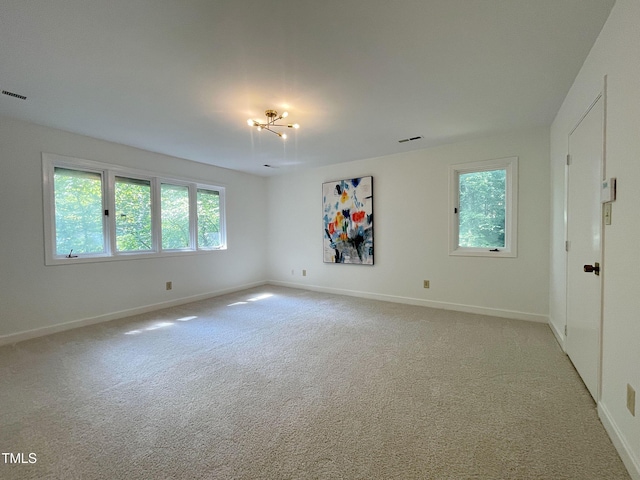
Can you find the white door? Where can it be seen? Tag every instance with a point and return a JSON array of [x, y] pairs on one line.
[[584, 223]]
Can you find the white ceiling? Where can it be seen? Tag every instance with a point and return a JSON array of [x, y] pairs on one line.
[[182, 77]]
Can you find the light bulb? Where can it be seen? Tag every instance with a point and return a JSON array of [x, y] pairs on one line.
[[250, 122], [284, 135], [284, 114], [259, 128], [295, 125]]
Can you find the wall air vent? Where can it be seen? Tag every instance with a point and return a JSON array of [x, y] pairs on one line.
[[15, 95], [410, 139]]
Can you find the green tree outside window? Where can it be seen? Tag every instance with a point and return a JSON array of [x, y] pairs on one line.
[[133, 215], [208, 218], [174, 207], [482, 209], [79, 217]]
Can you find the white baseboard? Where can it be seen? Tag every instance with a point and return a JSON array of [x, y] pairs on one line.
[[624, 450], [558, 334], [48, 330], [495, 312]]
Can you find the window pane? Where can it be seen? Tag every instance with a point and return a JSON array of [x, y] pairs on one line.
[[174, 206], [79, 222], [133, 214], [482, 209], [208, 219]]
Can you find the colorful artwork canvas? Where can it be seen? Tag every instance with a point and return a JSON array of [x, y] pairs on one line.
[[348, 221]]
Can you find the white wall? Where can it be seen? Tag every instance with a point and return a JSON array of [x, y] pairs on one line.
[[615, 54], [34, 296], [411, 229]]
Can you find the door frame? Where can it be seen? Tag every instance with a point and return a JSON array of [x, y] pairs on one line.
[[602, 94]]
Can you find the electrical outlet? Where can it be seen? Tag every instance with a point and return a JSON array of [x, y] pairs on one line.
[[304, 273], [631, 400], [426, 284], [169, 285]]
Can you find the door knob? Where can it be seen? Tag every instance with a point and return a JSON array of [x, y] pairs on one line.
[[592, 268]]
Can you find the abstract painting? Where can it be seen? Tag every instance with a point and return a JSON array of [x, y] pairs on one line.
[[347, 207]]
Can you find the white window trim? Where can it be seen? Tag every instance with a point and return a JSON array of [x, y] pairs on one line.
[[193, 236], [109, 171], [112, 208], [509, 164]]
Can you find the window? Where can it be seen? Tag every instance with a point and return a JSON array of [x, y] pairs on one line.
[[484, 207], [175, 217], [78, 212], [100, 212], [209, 219], [133, 215]]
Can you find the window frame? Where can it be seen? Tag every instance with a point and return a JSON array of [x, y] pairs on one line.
[[197, 218], [510, 165], [193, 234], [112, 208], [109, 172]]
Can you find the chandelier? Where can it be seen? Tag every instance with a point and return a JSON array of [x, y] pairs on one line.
[[272, 118]]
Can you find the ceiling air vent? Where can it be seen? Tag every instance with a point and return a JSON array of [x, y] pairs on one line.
[[411, 139], [11, 94]]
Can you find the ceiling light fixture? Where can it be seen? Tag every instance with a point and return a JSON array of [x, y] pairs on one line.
[[272, 118]]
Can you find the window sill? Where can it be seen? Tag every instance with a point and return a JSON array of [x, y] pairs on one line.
[[482, 252], [127, 256]]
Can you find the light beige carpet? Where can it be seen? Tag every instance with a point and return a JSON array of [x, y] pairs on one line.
[[300, 385]]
